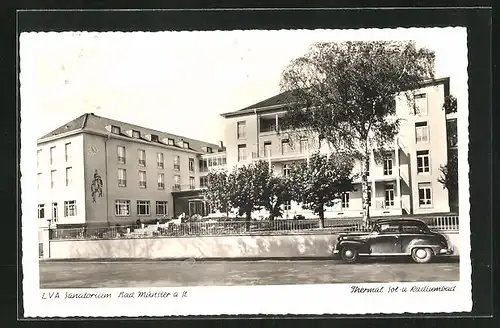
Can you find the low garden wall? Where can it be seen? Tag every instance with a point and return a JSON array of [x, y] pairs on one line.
[[265, 246]]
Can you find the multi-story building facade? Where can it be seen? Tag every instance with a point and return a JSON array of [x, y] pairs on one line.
[[98, 171], [405, 182]]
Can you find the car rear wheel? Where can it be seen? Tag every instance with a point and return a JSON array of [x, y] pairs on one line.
[[421, 254], [349, 254]]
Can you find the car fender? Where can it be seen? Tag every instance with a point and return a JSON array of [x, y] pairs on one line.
[[360, 246], [423, 242]]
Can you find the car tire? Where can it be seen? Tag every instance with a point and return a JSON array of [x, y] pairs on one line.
[[422, 254], [349, 254]]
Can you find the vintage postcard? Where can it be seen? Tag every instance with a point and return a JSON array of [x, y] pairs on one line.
[[245, 172]]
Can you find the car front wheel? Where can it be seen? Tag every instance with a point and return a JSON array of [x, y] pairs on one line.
[[421, 255], [349, 254]]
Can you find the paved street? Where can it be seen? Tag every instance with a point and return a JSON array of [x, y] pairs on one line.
[[199, 273]]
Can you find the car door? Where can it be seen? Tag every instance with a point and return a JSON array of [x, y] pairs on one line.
[[409, 233], [386, 241]]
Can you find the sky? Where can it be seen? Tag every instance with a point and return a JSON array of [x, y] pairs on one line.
[[180, 82]]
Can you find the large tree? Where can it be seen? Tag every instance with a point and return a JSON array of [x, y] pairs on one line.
[[276, 192], [321, 180], [345, 93], [217, 193], [246, 187]]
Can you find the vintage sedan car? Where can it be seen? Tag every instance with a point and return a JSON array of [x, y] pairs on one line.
[[409, 237]]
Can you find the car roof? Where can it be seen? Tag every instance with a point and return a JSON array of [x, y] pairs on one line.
[[400, 221]]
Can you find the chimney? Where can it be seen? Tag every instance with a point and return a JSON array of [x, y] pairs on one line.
[[221, 144]]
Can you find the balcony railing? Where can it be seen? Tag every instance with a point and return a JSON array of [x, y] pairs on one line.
[[186, 187]]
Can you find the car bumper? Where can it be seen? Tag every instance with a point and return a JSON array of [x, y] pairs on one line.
[[336, 254], [446, 251]]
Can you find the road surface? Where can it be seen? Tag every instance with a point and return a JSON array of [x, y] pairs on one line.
[[89, 274]]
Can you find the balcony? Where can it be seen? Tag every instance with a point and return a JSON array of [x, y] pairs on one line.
[[289, 156], [183, 188]]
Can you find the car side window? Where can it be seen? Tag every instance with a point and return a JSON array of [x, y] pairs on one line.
[[389, 228], [411, 229]]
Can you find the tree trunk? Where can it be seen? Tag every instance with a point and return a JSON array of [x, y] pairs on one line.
[[321, 216], [364, 189], [248, 219]]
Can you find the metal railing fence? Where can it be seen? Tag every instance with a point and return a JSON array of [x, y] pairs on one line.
[[233, 227]]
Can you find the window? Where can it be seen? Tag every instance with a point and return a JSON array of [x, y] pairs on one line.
[[420, 104], [285, 146], [191, 165], [52, 155], [451, 132], [67, 152], [171, 141], [39, 181], [267, 149], [407, 228], [242, 133], [424, 194], [286, 170], [177, 182], [161, 181], [267, 124], [242, 153], [388, 166], [191, 183], [41, 211], [203, 182], [136, 134], [303, 146], [177, 163], [209, 150], [421, 132], [69, 176], [388, 228], [345, 200], [185, 144], [287, 205], [203, 165], [162, 208], [115, 129], [142, 179], [55, 212], [143, 207], [122, 207], [160, 161], [154, 138], [389, 195], [120, 151], [142, 157], [38, 155], [70, 208], [122, 177], [423, 161], [53, 178]]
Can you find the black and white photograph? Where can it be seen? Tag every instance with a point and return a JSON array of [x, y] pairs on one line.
[[188, 172]]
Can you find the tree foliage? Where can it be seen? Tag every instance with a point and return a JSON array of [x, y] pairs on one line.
[[319, 181], [345, 92], [450, 104], [217, 193], [449, 173], [276, 193]]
